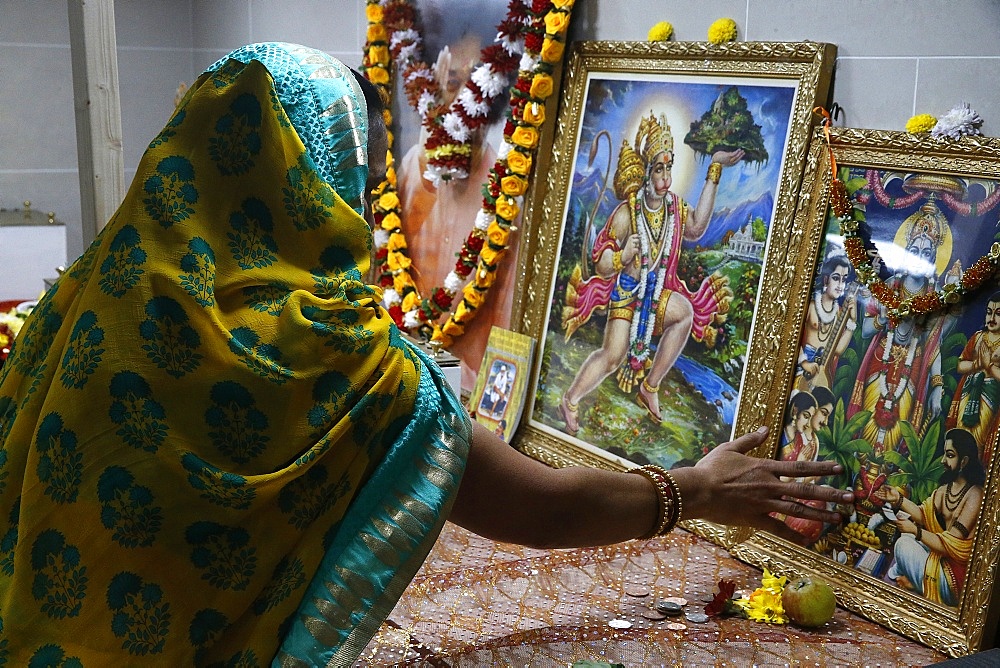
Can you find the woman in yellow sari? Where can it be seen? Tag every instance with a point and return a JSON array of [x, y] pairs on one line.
[[215, 446]]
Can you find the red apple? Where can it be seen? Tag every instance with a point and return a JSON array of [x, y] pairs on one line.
[[808, 601]]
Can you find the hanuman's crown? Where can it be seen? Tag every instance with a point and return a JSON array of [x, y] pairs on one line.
[[653, 137]]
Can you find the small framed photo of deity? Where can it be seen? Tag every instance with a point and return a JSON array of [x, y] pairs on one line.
[[655, 281], [892, 369]]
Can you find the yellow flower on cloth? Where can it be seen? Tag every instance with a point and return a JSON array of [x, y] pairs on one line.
[[556, 22], [526, 137], [721, 31], [507, 208], [541, 86], [388, 201], [772, 582], [534, 113], [660, 32], [513, 185], [373, 12], [552, 50], [764, 606], [920, 123]]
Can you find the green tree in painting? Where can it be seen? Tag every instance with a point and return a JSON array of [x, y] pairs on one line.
[[920, 469], [837, 443]]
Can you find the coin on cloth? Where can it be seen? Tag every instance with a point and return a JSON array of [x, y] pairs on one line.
[[669, 607]]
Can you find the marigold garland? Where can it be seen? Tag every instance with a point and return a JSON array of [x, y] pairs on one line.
[[898, 308], [542, 25]]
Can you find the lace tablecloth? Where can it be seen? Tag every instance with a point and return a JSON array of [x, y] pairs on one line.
[[480, 603]]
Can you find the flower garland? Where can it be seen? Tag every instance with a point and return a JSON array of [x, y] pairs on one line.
[[543, 24], [897, 306]]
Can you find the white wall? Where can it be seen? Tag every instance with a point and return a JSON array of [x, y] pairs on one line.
[[896, 58]]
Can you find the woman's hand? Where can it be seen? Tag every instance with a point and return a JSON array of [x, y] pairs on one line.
[[729, 487]]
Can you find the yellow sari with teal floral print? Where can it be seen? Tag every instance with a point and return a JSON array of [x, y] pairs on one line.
[[215, 446]]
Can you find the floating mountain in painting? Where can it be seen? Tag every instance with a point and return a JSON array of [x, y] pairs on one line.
[[727, 126]]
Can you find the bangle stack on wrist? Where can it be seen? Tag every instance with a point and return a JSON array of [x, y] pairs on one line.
[[668, 496]]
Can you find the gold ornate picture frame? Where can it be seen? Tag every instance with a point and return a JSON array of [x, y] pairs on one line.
[[887, 367], [715, 245]]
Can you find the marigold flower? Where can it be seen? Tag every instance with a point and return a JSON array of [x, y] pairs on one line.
[[507, 209], [377, 33], [378, 75], [526, 137], [534, 113], [920, 123], [373, 12], [563, 4], [379, 54], [519, 163], [721, 31], [552, 50], [541, 86], [660, 32], [513, 185], [556, 22], [388, 201]]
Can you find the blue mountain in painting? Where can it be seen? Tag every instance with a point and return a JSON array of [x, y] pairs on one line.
[[726, 219]]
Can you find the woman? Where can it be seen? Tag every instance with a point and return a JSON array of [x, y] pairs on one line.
[[216, 447]]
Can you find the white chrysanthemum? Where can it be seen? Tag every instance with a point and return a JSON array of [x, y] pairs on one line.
[[400, 36], [390, 297], [960, 122], [490, 82], [452, 282], [483, 219], [425, 102], [381, 237], [455, 127], [434, 174], [512, 45], [12, 320], [474, 108], [420, 73], [505, 148], [411, 319], [407, 53], [528, 62]]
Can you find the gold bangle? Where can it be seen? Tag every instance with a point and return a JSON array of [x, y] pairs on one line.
[[714, 172], [936, 380], [667, 496], [616, 261]]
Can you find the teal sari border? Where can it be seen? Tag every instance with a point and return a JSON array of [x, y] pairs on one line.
[[387, 532]]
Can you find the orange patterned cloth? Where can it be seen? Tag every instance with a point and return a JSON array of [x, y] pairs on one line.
[[480, 603]]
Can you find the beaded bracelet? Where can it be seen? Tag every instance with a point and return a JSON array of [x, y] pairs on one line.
[[668, 495]]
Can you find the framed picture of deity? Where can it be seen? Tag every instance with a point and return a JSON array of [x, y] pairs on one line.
[[659, 275], [892, 368]]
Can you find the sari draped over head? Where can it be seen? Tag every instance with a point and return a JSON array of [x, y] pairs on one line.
[[215, 446]]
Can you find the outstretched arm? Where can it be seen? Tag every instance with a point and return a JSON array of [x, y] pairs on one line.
[[510, 497]]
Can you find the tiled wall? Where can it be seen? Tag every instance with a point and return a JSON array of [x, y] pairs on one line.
[[895, 58]]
